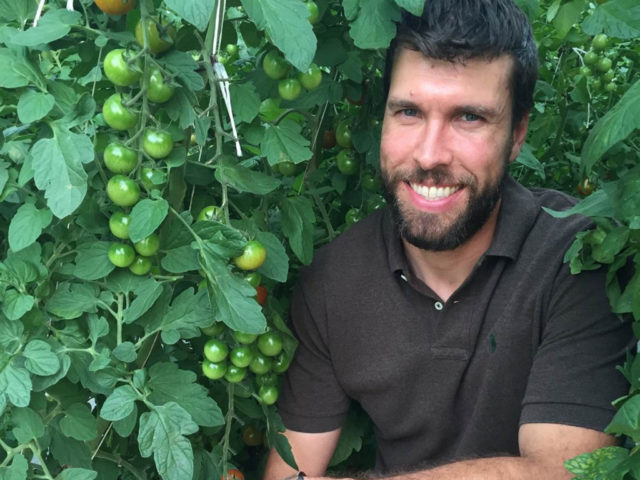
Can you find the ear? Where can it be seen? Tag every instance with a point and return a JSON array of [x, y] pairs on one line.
[[519, 135]]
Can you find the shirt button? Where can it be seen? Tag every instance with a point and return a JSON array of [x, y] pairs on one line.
[[438, 305]]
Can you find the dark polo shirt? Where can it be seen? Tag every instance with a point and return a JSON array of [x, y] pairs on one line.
[[521, 341]]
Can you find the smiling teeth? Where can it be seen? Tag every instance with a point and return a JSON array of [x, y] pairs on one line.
[[434, 193]]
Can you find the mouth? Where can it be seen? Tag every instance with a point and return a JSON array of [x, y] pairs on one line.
[[434, 192]]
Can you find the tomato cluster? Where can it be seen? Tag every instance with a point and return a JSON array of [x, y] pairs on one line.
[[598, 65]]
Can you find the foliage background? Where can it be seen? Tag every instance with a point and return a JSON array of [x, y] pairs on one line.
[[100, 369]]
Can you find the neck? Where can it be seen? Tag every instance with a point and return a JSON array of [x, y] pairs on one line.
[[445, 271]]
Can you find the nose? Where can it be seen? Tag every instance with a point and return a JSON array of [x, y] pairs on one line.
[[433, 145]]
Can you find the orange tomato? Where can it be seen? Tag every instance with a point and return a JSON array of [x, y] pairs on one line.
[[115, 7]]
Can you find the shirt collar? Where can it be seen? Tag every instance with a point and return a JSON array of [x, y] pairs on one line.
[[518, 211]]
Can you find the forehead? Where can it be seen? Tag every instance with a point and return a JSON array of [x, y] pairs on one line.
[[484, 80]]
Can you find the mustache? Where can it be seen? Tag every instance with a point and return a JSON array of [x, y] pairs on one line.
[[437, 176]]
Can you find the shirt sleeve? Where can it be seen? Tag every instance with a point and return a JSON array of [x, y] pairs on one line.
[[312, 400], [574, 378]]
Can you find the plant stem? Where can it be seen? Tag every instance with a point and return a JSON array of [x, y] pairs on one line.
[[118, 460], [227, 428]]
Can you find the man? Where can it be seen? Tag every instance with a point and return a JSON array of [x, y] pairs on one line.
[[451, 317]]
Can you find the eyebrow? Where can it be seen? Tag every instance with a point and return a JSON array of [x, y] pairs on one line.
[[480, 110]]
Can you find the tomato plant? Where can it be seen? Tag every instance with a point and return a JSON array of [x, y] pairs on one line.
[[347, 162], [157, 143], [213, 370], [289, 88], [270, 344], [123, 191], [121, 254], [140, 266], [148, 246], [253, 256], [120, 159], [311, 78], [119, 225], [118, 70], [343, 134], [117, 115]]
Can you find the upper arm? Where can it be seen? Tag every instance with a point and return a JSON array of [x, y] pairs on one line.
[[554, 443], [311, 451]]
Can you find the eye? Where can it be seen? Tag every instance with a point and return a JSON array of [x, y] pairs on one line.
[[409, 112], [471, 117]]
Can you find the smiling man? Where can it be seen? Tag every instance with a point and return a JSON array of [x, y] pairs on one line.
[[451, 317]]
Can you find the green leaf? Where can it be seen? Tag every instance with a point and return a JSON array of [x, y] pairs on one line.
[[245, 101], [79, 423], [123, 281], [185, 316], [233, 297], [568, 15], [196, 12], [125, 352], [58, 170], [15, 304], [146, 217], [529, 160], [276, 266], [414, 7], [71, 300], [146, 295], [98, 327], [125, 426], [40, 360], [92, 262], [614, 127], [374, 26], [184, 67], [15, 382], [17, 470], [169, 384], [69, 451], [276, 438], [350, 440], [28, 425], [10, 334], [598, 204], [612, 244], [602, 464], [625, 195], [53, 25], [243, 179], [162, 433], [77, 474], [286, 22], [529, 7], [119, 404], [298, 221], [616, 18], [284, 142], [180, 260], [21, 73], [33, 106], [27, 225], [11, 10]]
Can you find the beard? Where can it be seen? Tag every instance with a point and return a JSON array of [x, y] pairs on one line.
[[440, 232]]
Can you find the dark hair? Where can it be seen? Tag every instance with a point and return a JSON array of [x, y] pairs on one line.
[[459, 30]]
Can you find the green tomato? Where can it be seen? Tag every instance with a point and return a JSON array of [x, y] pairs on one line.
[[352, 216], [117, 69], [213, 330], [260, 364], [235, 374], [121, 254], [209, 213], [281, 362], [347, 162], [231, 49], [590, 58], [600, 42], [312, 78], [241, 356], [215, 350], [608, 76], [288, 169], [343, 135], [604, 65], [244, 338], [116, 115], [148, 246], [610, 87], [314, 13], [157, 143], [123, 191], [274, 66], [158, 90], [214, 370], [270, 343], [120, 159], [375, 202], [268, 394], [140, 266], [152, 178], [289, 88], [254, 279], [160, 35], [586, 71], [267, 379], [370, 181], [119, 225], [253, 256]]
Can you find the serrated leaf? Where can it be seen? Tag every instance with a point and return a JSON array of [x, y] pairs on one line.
[[234, 298], [528, 159], [184, 67], [33, 106], [68, 451], [92, 261], [286, 22], [57, 169], [79, 423], [374, 26], [353, 430], [170, 384], [529, 7], [98, 327], [146, 295], [28, 425], [100, 361], [71, 300], [125, 426], [276, 266], [275, 436], [196, 12], [27, 225], [186, 314], [119, 404], [244, 179], [123, 281], [414, 7], [53, 25], [245, 101], [40, 360], [284, 142], [298, 221], [614, 127], [146, 217], [180, 260], [15, 304], [616, 18]]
